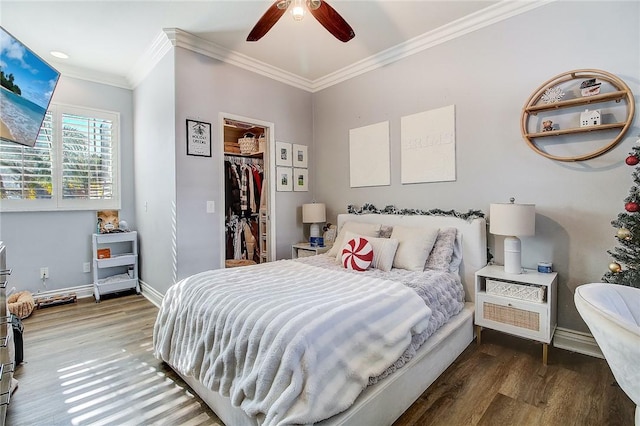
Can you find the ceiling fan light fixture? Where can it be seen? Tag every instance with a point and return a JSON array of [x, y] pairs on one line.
[[313, 4], [297, 11]]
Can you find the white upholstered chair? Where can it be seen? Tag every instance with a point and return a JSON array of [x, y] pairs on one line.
[[612, 313]]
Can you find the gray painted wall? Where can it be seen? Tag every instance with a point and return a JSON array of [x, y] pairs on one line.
[[489, 74], [155, 174], [61, 240], [205, 87], [177, 237]]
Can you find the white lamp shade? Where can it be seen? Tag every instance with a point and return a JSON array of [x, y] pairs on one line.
[[314, 213], [512, 219]]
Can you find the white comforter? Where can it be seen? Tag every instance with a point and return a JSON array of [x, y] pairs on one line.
[[288, 342]]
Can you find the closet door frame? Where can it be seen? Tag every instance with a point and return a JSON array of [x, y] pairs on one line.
[[270, 172]]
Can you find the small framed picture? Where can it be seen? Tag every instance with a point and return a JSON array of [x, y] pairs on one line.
[[299, 155], [284, 179], [283, 154], [198, 138], [300, 180]]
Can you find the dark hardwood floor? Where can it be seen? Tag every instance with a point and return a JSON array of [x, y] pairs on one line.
[[92, 363]]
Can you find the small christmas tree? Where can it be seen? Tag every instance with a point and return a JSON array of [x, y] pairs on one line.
[[625, 269]]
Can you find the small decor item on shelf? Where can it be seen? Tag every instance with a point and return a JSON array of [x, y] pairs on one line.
[[103, 253], [590, 118], [590, 87], [552, 95], [248, 144], [108, 221], [547, 126]]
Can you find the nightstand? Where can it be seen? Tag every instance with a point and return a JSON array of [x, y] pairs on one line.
[[520, 304], [305, 250]]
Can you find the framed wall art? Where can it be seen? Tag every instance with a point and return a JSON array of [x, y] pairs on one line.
[[283, 154], [198, 138], [300, 180], [284, 179], [369, 155], [299, 156]]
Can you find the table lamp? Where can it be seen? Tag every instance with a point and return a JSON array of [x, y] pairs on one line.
[[512, 220], [314, 214]]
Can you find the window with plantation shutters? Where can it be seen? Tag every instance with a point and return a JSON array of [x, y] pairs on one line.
[[73, 165]]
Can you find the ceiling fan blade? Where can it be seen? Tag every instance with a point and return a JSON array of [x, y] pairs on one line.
[[267, 21], [333, 22]]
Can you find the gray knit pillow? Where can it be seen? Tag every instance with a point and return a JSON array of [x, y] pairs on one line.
[[442, 252]]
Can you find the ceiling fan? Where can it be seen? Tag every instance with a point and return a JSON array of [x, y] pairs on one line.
[[325, 14]]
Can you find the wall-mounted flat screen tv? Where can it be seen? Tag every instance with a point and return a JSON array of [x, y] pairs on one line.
[[28, 83]]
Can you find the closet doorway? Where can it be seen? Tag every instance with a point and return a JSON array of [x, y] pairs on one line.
[[249, 190]]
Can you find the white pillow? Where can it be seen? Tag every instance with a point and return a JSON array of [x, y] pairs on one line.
[[384, 250], [414, 246], [364, 229]]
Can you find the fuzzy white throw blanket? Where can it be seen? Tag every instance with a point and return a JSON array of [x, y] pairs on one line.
[[289, 343]]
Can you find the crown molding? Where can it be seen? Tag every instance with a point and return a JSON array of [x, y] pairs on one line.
[[468, 24], [160, 46], [180, 38], [92, 76], [174, 37]]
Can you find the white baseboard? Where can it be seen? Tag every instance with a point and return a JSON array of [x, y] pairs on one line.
[[151, 294], [576, 341]]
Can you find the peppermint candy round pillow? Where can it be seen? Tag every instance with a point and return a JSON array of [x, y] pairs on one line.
[[357, 254]]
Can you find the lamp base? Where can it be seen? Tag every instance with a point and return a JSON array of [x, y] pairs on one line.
[[512, 257], [315, 240]]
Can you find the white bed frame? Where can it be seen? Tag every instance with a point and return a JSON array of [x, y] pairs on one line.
[[384, 402]]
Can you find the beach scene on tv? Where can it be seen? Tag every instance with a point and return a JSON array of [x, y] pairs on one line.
[[27, 86]]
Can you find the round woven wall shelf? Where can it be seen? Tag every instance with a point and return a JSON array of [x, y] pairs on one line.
[[550, 97]]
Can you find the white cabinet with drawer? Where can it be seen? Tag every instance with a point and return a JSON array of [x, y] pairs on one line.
[[523, 305]]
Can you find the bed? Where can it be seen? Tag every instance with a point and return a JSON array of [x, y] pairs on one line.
[[386, 394]]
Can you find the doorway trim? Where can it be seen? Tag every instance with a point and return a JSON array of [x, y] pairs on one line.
[[269, 168]]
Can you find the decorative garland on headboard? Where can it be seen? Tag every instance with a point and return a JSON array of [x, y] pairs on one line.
[[371, 209]]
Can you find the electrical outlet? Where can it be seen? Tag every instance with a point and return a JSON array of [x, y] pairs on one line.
[[44, 273], [86, 267]]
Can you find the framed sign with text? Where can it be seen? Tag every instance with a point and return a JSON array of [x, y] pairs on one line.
[[198, 138]]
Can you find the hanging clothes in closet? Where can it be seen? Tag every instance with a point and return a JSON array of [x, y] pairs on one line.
[[244, 179]]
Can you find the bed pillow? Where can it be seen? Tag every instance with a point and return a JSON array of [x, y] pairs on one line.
[[357, 254], [414, 246], [384, 250], [385, 231], [456, 259], [440, 257], [366, 229]]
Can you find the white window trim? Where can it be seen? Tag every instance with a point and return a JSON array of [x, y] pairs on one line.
[[57, 203]]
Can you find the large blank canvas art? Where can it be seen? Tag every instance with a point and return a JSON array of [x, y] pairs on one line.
[[369, 155], [428, 146]]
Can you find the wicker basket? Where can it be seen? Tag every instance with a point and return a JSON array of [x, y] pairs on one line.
[[248, 145], [531, 293], [512, 316]]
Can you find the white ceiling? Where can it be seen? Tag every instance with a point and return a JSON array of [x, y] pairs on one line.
[[107, 39]]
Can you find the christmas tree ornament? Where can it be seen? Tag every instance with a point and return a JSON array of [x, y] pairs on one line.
[[624, 234], [632, 160], [632, 207], [615, 267]]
